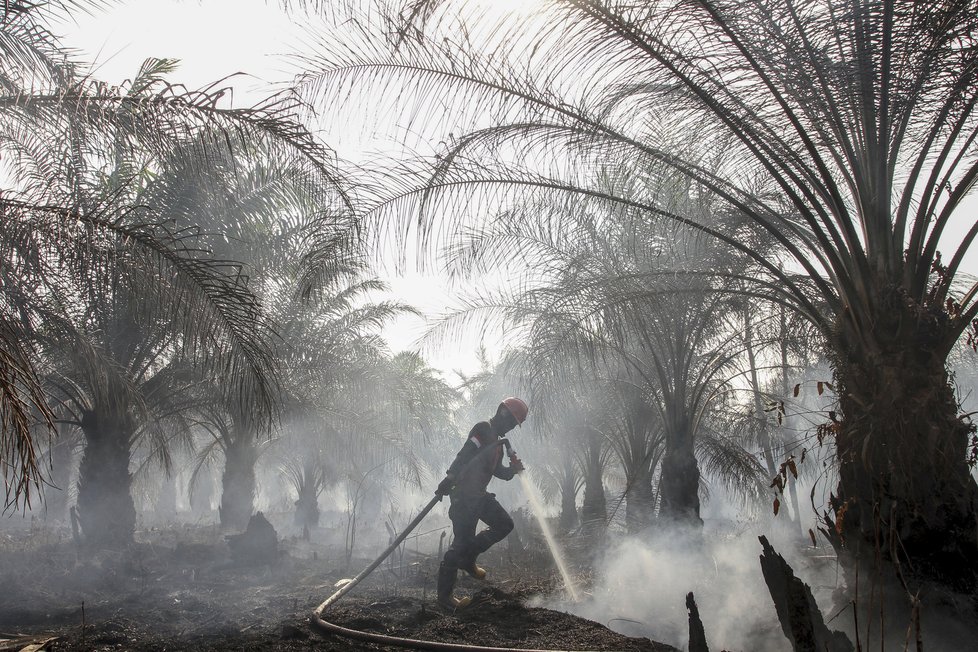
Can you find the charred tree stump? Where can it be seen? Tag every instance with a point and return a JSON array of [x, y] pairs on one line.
[[800, 618], [258, 544], [697, 635]]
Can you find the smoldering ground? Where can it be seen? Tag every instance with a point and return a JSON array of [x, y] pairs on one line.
[[641, 582], [177, 589]]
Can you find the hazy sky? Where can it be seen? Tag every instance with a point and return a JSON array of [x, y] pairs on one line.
[[215, 39], [218, 38]]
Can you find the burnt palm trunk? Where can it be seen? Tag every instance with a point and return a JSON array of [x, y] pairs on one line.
[[238, 483], [106, 511], [679, 482], [905, 489]]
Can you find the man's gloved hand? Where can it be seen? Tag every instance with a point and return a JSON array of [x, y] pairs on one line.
[[516, 463], [445, 486]]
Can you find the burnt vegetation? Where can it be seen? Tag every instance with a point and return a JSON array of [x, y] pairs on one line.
[[722, 248]]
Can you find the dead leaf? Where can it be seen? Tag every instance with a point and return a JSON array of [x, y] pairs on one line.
[[777, 505], [840, 516]]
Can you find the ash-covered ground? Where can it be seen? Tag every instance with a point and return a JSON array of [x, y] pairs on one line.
[[180, 588]]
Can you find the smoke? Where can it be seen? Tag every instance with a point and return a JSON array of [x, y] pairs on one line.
[[641, 584]]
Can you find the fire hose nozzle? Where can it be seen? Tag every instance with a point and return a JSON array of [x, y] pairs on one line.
[[515, 462]]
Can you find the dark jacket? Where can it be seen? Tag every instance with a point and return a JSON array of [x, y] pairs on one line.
[[479, 460]]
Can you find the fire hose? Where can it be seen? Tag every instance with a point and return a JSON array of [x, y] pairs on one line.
[[325, 627]]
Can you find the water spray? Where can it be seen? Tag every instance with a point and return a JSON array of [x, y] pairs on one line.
[[536, 506]]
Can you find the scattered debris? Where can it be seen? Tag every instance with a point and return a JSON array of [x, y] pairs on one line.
[[22, 643]]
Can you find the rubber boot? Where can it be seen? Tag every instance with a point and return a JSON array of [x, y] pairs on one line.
[[474, 570], [447, 575]]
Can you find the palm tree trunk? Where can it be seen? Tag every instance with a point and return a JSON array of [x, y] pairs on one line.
[[166, 501], [56, 493], [307, 505], [105, 507], [640, 499], [568, 497], [200, 496], [905, 489], [594, 512], [679, 483], [767, 445], [238, 483]]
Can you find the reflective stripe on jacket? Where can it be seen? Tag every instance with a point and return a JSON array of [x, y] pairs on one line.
[[478, 461]]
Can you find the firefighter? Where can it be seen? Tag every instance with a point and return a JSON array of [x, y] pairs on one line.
[[479, 459]]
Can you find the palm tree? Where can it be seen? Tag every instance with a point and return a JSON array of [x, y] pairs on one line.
[[24, 411], [364, 408], [626, 299], [299, 248], [635, 432], [334, 375], [853, 128], [107, 270]]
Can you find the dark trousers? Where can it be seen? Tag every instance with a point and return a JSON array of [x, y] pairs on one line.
[[466, 512]]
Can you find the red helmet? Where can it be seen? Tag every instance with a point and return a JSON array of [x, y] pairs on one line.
[[517, 407]]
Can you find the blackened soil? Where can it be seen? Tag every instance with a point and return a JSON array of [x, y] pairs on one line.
[[495, 618], [164, 595]]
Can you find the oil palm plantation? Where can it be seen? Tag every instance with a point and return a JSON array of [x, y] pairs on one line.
[[852, 131], [639, 306], [349, 398], [137, 381], [108, 277], [297, 245]]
